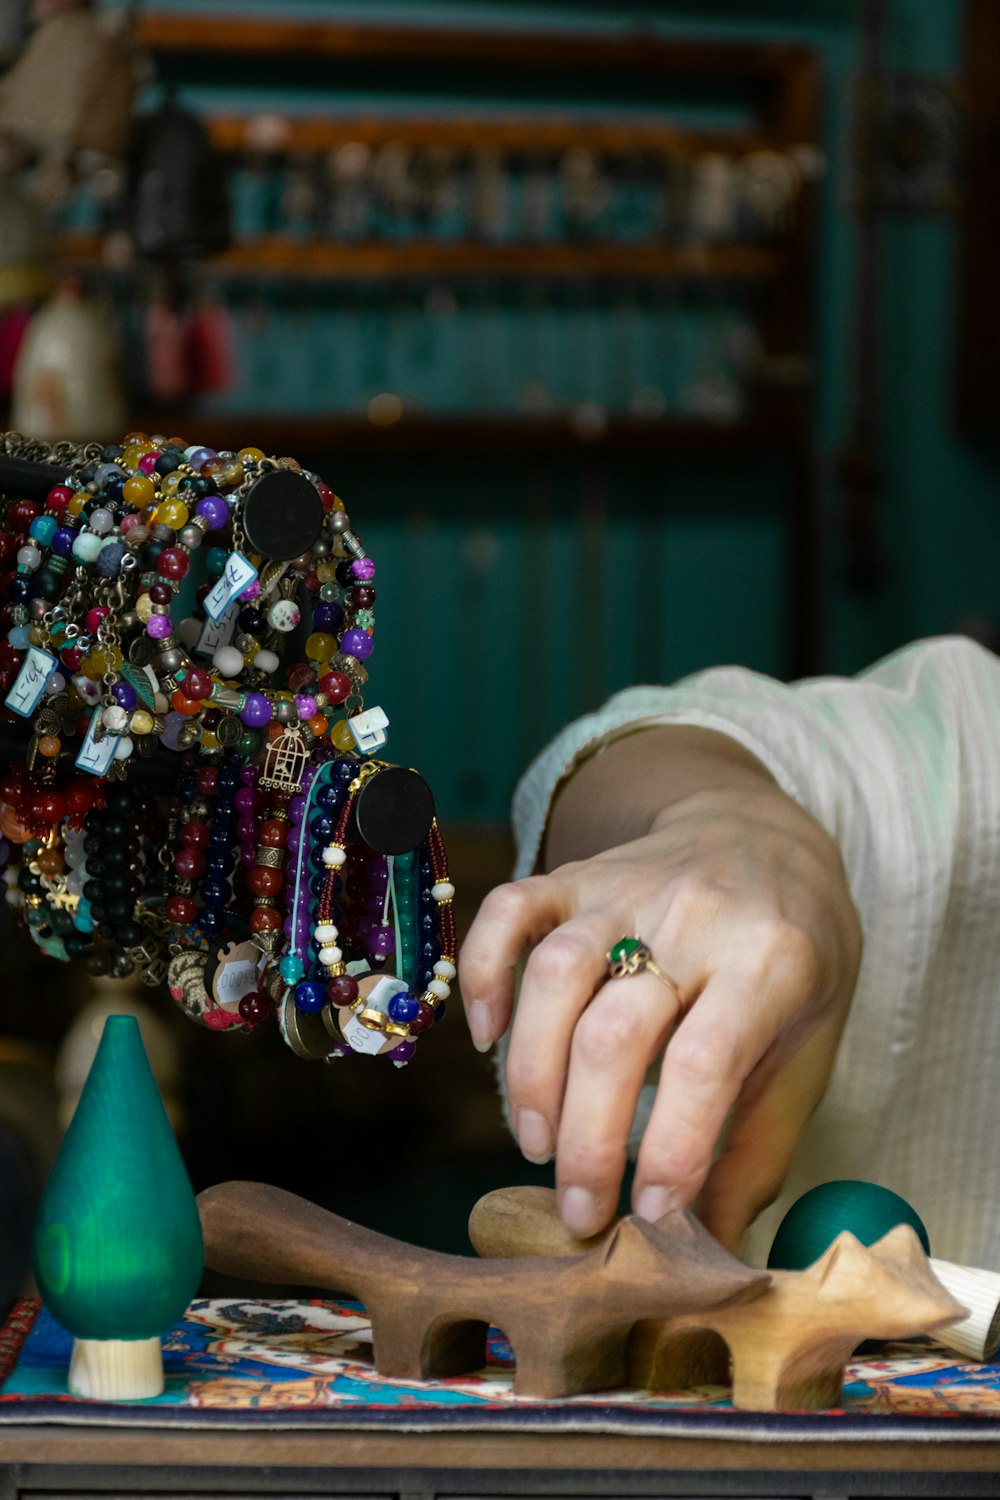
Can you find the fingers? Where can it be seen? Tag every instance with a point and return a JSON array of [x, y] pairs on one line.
[[510, 917], [613, 1043], [559, 981], [763, 1135], [736, 1019]]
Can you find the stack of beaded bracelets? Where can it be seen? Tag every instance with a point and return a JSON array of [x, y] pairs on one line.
[[161, 749]]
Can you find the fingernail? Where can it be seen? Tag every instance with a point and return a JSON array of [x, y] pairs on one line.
[[579, 1212], [534, 1136], [480, 1025], [655, 1202]]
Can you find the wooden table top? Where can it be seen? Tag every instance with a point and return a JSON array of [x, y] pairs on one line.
[[568, 1452]]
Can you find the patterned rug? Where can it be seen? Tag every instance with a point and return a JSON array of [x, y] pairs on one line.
[[237, 1363]]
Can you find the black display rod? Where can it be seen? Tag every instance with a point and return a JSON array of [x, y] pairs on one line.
[[27, 479]]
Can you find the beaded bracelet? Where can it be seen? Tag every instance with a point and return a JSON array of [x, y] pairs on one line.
[[176, 769]]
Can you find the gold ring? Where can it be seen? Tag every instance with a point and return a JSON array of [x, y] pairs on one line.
[[631, 956]]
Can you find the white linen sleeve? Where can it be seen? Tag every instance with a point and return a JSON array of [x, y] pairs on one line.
[[901, 765]]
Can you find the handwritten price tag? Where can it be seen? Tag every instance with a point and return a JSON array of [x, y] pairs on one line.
[[356, 1034], [95, 754], [216, 633], [239, 574], [27, 691]]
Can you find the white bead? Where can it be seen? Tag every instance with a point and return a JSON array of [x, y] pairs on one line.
[[228, 661], [267, 661], [443, 891], [439, 988], [334, 856], [326, 933], [444, 970], [124, 747], [29, 557], [115, 718], [330, 955], [55, 684], [101, 521]]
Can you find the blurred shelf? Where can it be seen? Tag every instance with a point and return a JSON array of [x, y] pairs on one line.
[[638, 53], [532, 135], [553, 437], [280, 256]]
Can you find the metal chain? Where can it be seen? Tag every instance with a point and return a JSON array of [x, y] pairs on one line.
[[63, 452]]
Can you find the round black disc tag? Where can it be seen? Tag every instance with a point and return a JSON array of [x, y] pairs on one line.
[[394, 810], [282, 515]]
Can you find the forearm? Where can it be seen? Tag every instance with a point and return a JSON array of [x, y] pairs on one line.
[[618, 794]]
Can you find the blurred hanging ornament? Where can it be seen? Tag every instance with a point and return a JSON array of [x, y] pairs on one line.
[[71, 91], [175, 198], [66, 376]]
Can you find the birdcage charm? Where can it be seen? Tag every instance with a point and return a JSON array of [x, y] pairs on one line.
[[285, 761]]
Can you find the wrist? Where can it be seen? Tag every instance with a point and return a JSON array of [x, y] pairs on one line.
[[624, 784]]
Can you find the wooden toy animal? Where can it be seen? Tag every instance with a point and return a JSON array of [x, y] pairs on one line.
[[569, 1319], [787, 1347]]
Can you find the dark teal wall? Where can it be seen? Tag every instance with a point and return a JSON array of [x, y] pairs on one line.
[[513, 597]]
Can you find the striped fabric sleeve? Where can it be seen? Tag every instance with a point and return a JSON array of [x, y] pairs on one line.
[[901, 765]]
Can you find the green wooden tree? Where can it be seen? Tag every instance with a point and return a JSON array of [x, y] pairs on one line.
[[118, 1249]]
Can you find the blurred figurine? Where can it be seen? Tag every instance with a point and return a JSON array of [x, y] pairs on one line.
[[66, 381]]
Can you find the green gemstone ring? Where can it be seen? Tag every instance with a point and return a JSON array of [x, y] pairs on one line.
[[631, 956]]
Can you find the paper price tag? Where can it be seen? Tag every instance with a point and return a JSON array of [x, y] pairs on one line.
[[360, 1039], [36, 669], [239, 574], [95, 755], [216, 633]]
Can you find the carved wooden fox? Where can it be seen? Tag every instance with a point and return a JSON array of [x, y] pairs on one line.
[[787, 1347], [569, 1319], [791, 1352]]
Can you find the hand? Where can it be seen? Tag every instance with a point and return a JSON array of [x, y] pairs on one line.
[[742, 899]]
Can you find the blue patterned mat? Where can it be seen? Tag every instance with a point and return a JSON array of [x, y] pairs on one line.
[[236, 1363]]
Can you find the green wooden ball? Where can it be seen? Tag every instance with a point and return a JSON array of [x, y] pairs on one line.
[[813, 1223]]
